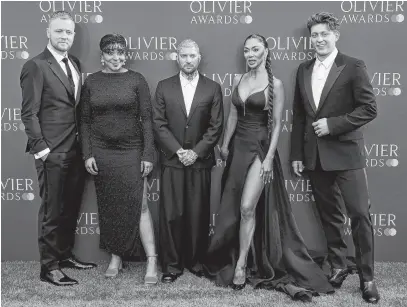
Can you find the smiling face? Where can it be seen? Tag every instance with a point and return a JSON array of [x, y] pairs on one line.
[[114, 57], [323, 39], [255, 53], [61, 33], [188, 59]]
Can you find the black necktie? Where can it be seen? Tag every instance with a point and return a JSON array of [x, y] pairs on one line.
[[69, 72]]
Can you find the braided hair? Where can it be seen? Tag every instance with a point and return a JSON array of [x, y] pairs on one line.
[[270, 79]]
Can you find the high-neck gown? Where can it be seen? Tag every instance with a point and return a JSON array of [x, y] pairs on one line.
[[116, 129]]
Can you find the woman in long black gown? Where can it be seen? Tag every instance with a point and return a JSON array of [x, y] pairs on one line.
[[117, 143], [255, 210]]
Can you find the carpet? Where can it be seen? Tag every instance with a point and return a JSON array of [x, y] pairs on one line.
[[21, 287]]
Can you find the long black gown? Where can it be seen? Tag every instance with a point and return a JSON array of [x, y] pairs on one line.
[[281, 260], [116, 129]]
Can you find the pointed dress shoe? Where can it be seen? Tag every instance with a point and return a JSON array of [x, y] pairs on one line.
[[170, 277], [369, 292], [338, 276], [57, 278], [73, 263]]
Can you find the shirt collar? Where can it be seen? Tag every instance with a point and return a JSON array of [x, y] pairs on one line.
[[329, 60], [185, 81], [56, 55]]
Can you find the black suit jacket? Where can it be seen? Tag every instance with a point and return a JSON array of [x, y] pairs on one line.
[[347, 101], [49, 105], [200, 131]]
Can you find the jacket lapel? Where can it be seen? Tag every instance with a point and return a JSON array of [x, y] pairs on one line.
[[334, 73], [178, 92], [56, 68], [78, 95], [308, 84], [199, 92]]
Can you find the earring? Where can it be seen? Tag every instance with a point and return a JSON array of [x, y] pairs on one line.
[[103, 62]]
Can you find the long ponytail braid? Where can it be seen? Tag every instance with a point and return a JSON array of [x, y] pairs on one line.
[[270, 96]]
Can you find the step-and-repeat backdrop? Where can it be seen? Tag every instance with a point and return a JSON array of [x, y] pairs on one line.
[[374, 31]]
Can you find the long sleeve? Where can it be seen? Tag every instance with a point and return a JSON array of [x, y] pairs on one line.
[[365, 104], [31, 81], [85, 121], [166, 140], [146, 120], [214, 131], [297, 135]]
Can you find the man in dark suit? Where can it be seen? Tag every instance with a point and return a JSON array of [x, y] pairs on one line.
[[188, 119], [51, 84], [333, 100]]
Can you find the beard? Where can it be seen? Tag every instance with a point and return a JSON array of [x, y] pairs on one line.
[[62, 48], [189, 74]]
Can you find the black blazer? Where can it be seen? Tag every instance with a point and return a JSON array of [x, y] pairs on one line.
[[200, 131], [347, 101], [49, 105]]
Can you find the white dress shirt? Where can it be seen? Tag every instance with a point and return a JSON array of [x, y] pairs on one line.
[[320, 74], [188, 90], [75, 77], [59, 59]]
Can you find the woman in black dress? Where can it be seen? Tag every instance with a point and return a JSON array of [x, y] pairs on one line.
[[255, 210], [117, 143]]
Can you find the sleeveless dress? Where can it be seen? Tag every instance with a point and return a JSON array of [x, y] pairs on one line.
[[279, 258]]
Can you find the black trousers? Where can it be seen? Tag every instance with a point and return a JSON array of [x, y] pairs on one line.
[[353, 187], [61, 179], [184, 218]]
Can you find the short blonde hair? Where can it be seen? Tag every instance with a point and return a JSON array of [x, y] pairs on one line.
[[187, 43]]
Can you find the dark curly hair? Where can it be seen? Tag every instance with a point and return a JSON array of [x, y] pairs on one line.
[[262, 40], [111, 42], [325, 18]]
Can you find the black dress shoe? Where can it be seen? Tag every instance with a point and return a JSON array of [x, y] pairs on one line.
[[73, 263], [338, 276], [169, 277], [57, 278], [369, 292]]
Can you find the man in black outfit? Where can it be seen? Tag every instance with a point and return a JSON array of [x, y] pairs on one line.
[[333, 100], [188, 119], [51, 84]]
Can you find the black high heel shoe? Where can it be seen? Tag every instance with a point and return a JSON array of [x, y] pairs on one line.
[[239, 286], [303, 296]]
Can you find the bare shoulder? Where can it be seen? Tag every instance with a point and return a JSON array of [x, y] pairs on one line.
[[278, 84], [237, 78]]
